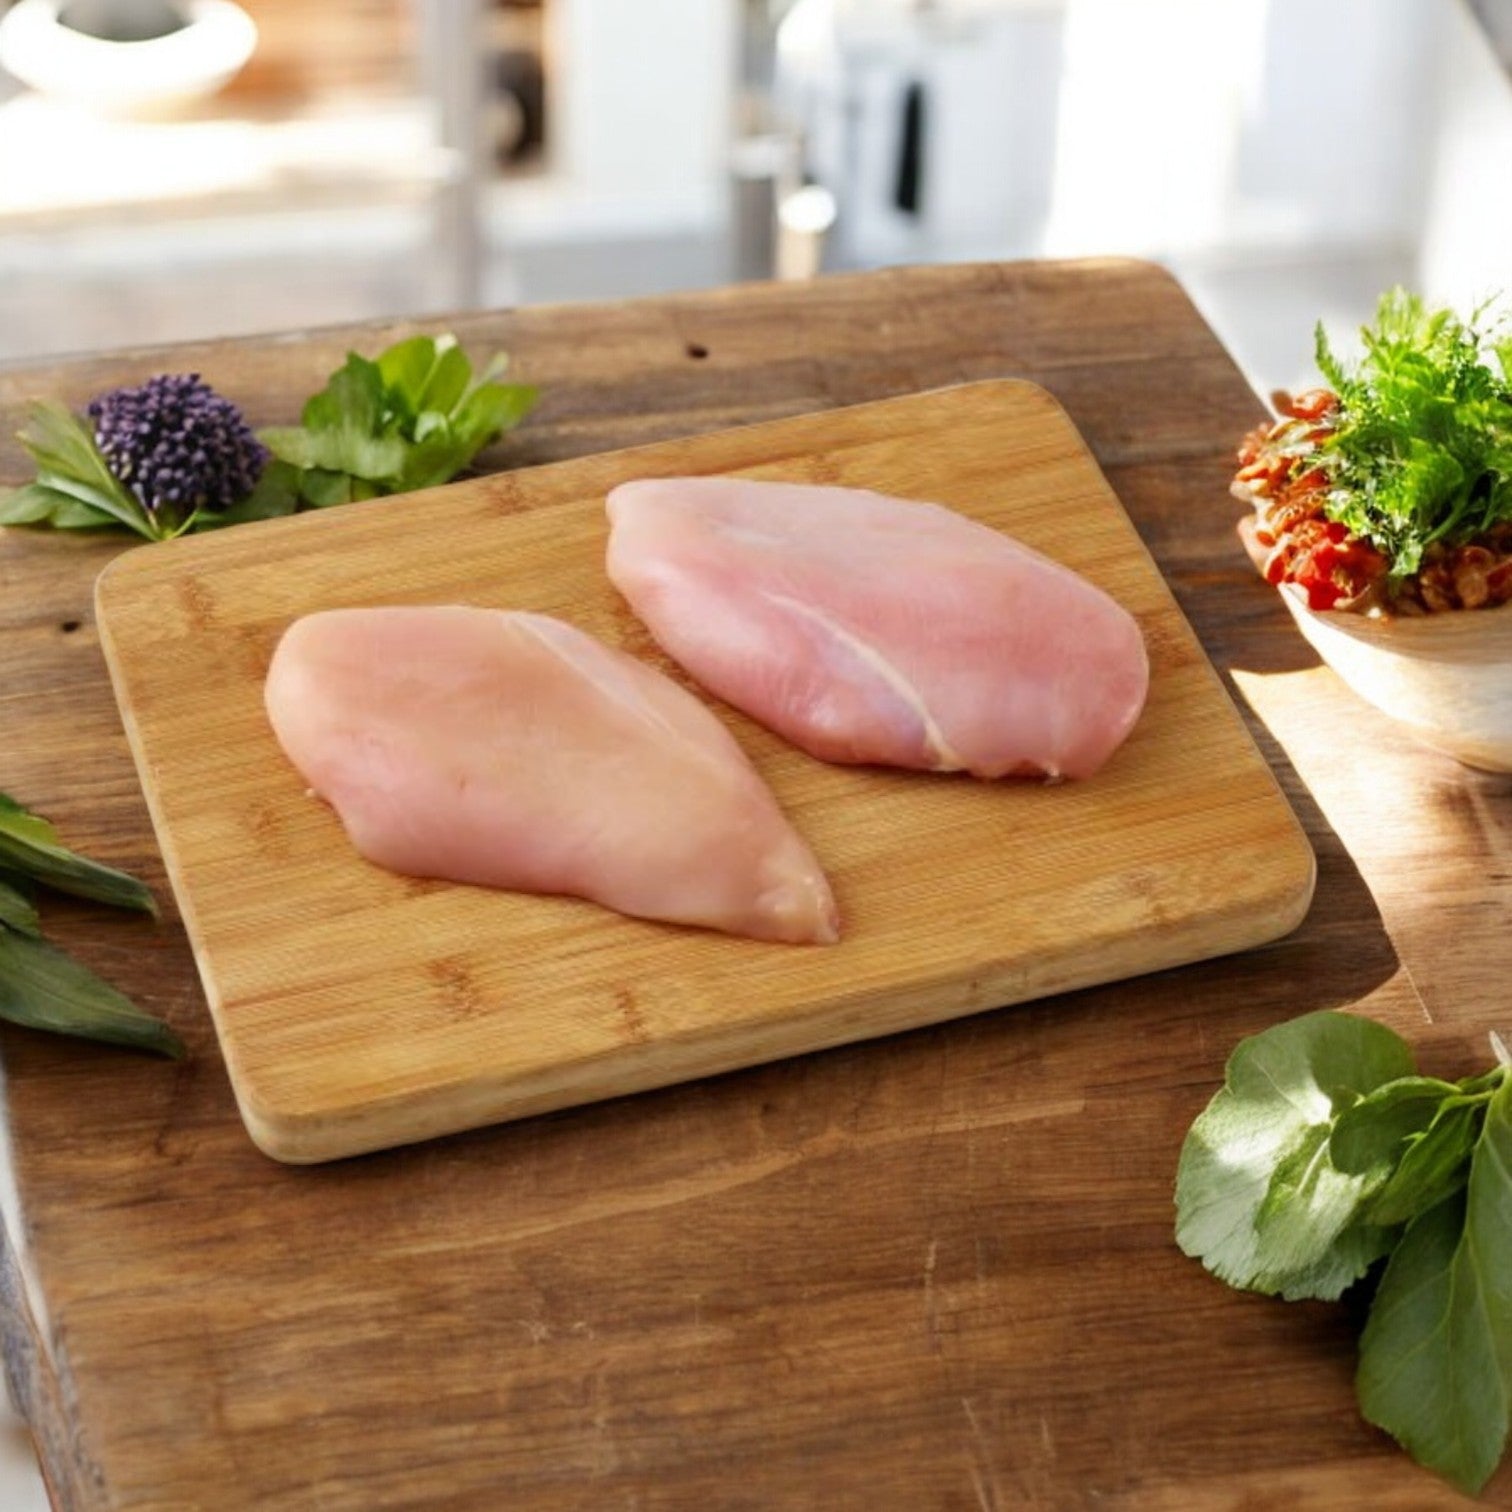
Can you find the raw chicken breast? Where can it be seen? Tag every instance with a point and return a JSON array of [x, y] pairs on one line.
[[870, 629], [514, 751]]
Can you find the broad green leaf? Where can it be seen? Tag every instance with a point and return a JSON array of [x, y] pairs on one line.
[[406, 368], [322, 488], [491, 409], [1370, 1135], [352, 397], [1258, 1200], [289, 443], [1432, 1167], [433, 461], [424, 374], [344, 450], [1311, 1236], [71, 514], [439, 458], [343, 427], [30, 505], [42, 988], [16, 911], [448, 378], [1436, 1355], [276, 493]]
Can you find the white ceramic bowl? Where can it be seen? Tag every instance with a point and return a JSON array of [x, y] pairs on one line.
[[154, 77], [1445, 678]]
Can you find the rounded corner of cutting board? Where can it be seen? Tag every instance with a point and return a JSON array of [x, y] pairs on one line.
[[108, 582], [282, 1132], [1295, 901]]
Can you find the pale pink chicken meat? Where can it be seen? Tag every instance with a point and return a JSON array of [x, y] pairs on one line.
[[869, 629], [512, 750]]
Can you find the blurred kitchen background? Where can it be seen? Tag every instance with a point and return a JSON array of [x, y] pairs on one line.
[[276, 163]]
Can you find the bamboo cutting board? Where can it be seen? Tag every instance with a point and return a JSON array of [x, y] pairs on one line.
[[358, 1009]]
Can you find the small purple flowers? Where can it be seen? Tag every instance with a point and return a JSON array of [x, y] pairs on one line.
[[177, 446]]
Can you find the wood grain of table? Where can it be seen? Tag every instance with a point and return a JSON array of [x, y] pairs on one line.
[[931, 1271]]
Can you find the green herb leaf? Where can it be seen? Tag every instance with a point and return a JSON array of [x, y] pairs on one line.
[[28, 844], [1423, 448], [490, 409], [448, 378], [20, 821], [323, 489], [406, 368], [30, 504], [345, 428], [413, 418], [276, 493], [16, 910], [42, 988], [69, 462], [1436, 1355], [1258, 1199], [71, 514], [1433, 1166], [1371, 1136]]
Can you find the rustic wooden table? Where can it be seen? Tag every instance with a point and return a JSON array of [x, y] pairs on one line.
[[934, 1271]]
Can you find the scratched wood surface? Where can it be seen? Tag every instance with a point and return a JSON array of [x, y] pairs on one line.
[[929, 1271]]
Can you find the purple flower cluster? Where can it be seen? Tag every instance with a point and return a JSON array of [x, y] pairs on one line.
[[177, 445]]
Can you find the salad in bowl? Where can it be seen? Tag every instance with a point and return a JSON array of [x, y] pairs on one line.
[[1381, 506]]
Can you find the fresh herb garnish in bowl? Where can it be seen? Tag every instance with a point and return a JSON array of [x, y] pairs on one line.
[[1390, 491], [1382, 509]]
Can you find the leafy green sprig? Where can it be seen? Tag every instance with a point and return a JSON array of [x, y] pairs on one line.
[[40, 986], [1422, 452], [1325, 1152], [74, 488], [412, 419]]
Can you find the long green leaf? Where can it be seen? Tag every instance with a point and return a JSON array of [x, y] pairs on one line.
[[45, 861], [71, 514], [103, 501], [16, 910], [68, 460], [448, 378], [32, 504], [1436, 1355], [42, 988], [17, 819]]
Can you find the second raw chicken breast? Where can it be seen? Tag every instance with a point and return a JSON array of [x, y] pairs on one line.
[[865, 628], [512, 750]]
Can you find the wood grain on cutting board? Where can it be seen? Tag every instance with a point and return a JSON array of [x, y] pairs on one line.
[[358, 1009]]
